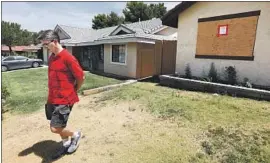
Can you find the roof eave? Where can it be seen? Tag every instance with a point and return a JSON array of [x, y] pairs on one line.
[[171, 17]]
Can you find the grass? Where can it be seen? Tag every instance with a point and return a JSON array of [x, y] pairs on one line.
[[217, 128], [28, 88]]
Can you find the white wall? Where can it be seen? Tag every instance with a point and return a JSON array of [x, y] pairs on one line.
[[258, 71], [128, 70], [45, 55]]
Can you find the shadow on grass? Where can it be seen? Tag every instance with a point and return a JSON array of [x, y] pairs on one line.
[[44, 149]]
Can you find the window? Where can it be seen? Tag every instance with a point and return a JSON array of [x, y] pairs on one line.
[[119, 54], [9, 59], [21, 58], [222, 30]]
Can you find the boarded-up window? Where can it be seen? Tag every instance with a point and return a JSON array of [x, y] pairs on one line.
[[228, 37]]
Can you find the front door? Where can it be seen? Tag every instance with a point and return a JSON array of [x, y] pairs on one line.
[[94, 52], [85, 59], [92, 58], [147, 62]]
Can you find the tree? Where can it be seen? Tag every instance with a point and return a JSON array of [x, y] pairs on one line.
[[103, 20], [133, 12], [25, 38], [136, 11], [12, 35], [34, 38], [99, 21], [113, 19], [157, 10]]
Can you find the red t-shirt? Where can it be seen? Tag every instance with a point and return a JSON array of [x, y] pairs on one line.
[[63, 71]]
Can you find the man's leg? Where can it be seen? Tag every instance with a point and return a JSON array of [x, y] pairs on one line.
[[64, 133], [65, 138], [58, 124]]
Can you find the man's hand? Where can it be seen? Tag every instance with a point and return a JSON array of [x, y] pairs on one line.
[[79, 84]]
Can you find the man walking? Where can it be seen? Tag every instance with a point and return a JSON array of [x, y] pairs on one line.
[[65, 77]]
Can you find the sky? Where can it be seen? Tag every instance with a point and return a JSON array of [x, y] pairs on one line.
[[36, 16]]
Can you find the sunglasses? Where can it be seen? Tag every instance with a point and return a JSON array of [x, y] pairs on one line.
[[47, 43]]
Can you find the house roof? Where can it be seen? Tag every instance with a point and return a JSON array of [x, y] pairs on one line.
[[171, 17], [143, 29], [121, 27]]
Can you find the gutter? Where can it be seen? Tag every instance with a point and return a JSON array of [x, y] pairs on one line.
[[111, 41]]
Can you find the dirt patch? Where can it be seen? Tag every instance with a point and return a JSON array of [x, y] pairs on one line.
[[113, 132]]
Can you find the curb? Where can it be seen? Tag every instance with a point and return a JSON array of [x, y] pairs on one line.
[[25, 69], [203, 86], [106, 88]]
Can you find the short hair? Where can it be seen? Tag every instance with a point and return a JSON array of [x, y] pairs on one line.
[[49, 35]]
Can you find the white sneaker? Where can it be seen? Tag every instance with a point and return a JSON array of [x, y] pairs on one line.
[[67, 143], [75, 141]]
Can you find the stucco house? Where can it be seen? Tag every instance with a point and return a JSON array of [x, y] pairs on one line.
[[225, 33], [126, 50]]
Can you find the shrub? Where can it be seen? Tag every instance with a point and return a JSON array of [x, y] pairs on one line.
[[213, 73], [231, 75], [5, 93], [247, 83], [188, 73]]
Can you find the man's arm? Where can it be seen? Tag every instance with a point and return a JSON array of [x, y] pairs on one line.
[[79, 83], [76, 71]]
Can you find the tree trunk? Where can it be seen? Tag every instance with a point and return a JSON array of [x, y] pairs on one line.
[[10, 50]]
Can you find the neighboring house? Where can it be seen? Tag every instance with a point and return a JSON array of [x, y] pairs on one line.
[[16, 49], [28, 50], [225, 33], [125, 50]]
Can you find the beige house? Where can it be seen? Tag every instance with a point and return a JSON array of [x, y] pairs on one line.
[[123, 50], [225, 33]]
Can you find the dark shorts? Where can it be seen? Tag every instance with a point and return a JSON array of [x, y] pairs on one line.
[[58, 114]]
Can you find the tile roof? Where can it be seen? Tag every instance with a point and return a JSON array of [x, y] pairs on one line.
[[20, 48]]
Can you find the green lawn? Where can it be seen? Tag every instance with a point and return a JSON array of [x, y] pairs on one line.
[[28, 88], [210, 128]]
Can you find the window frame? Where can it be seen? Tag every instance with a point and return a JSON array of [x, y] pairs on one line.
[[111, 54], [219, 28]]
